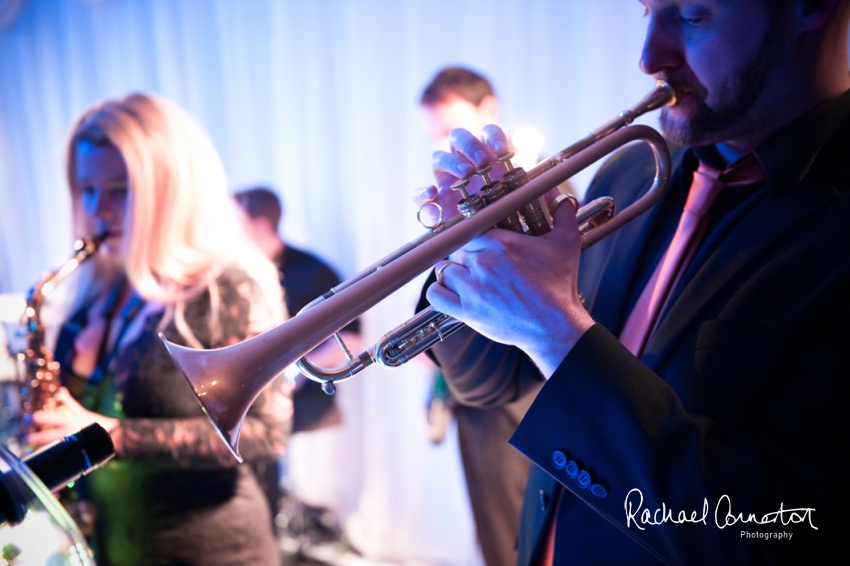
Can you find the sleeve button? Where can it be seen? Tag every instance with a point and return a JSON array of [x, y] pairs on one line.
[[598, 491], [583, 479], [571, 469], [559, 459]]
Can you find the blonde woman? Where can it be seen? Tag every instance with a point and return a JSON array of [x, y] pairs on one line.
[[174, 260]]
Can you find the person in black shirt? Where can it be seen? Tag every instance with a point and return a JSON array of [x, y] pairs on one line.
[[304, 277]]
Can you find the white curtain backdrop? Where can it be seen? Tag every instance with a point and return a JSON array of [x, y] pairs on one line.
[[318, 99]]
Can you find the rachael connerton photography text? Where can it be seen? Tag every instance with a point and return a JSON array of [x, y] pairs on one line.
[[724, 515]]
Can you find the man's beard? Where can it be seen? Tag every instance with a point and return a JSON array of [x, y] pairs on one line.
[[731, 117]]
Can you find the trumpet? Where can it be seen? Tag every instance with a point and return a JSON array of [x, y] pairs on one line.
[[227, 380]]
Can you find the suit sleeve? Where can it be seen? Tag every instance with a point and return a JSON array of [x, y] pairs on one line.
[[622, 426]]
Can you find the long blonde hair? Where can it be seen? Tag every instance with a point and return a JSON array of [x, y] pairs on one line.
[[181, 228]]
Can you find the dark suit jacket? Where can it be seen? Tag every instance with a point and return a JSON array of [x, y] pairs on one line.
[[736, 403]]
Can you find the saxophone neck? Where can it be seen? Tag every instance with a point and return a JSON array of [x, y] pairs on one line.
[[84, 249]]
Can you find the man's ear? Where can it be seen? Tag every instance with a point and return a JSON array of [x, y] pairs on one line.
[[488, 108], [813, 14]]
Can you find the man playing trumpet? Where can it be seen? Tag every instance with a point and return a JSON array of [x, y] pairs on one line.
[[692, 410]]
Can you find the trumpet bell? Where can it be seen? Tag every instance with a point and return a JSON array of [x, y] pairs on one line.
[[227, 384], [222, 399], [226, 381]]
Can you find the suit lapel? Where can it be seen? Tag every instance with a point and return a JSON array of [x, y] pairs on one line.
[[736, 258]]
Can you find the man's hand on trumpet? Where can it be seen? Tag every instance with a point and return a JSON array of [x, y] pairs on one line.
[[468, 155], [513, 288], [519, 290]]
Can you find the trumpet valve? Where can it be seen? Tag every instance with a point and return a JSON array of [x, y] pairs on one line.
[[493, 192], [461, 186], [514, 178], [484, 173], [471, 205], [506, 160]]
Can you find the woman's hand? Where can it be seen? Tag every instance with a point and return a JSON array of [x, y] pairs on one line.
[[67, 419]]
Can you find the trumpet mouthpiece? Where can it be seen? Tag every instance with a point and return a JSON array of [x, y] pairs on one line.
[[673, 94]]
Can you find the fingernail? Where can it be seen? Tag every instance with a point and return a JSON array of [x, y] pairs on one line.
[[463, 170], [480, 157], [499, 146]]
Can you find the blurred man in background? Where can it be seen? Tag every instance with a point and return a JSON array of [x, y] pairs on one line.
[[458, 98], [495, 472]]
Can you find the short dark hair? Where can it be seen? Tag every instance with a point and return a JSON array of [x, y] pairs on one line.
[[461, 82], [260, 202]]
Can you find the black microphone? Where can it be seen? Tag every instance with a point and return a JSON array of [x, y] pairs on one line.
[[56, 465]]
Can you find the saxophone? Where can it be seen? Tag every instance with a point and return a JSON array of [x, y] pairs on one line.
[[41, 382]]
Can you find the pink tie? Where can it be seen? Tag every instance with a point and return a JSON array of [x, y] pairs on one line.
[[707, 183]]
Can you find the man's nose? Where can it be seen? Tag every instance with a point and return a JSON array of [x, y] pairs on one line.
[[661, 46]]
